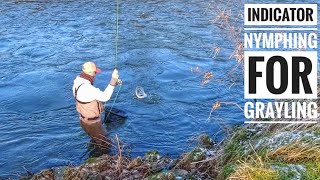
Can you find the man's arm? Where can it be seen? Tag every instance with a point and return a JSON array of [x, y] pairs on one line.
[[90, 93], [102, 95]]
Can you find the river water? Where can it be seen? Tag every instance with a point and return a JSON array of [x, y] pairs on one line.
[[44, 43]]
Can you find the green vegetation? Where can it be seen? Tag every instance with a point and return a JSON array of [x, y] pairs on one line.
[[196, 155], [91, 160], [206, 141], [312, 171], [152, 156], [316, 131], [227, 170], [233, 149], [152, 153]]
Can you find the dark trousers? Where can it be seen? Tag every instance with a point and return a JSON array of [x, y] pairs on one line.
[[96, 131]]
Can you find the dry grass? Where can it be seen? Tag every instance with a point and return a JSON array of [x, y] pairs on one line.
[[207, 76], [299, 151], [247, 171], [253, 168], [228, 21], [196, 161], [217, 105], [215, 52], [114, 167]]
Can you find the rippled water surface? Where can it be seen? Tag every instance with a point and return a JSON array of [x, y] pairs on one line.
[[44, 43]]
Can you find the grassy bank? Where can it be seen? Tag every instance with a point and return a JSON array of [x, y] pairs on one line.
[[272, 152], [249, 152], [283, 152]]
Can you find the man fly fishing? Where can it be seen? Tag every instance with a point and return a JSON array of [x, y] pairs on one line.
[[88, 98], [89, 102]]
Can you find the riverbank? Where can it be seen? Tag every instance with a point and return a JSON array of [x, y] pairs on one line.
[[250, 152]]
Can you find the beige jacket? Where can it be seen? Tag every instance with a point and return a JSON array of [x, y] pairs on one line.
[[89, 98]]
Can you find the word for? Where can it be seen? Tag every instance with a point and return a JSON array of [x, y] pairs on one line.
[[296, 74], [280, 74]]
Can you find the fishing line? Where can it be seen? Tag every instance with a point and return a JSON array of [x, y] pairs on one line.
[[116, 56], [114, 101], [117, 34]]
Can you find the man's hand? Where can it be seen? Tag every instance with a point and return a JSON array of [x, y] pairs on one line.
[[115, 74], [119, 82], [115, 77]]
